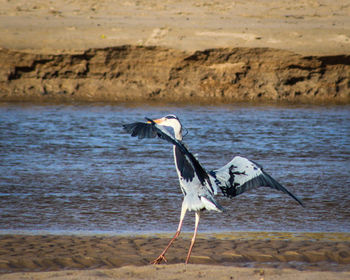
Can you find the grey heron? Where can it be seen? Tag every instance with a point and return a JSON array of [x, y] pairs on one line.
[[198, 185]]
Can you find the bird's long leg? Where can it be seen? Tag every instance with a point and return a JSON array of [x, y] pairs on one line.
[[162, 255], [194, 237]]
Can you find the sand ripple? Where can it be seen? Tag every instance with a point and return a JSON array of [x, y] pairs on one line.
[[54, 252]]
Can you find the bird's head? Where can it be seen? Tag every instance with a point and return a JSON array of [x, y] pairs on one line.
[[173, 122]]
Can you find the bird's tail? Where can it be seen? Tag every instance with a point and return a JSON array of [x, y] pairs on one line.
[[211, 204]]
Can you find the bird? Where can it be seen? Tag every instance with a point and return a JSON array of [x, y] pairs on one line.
[[199, 186]]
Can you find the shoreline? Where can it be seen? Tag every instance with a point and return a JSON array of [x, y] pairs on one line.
[[301, 251], [226, 235]]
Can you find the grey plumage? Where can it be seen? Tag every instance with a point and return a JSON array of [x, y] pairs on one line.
[[241, 175], [199, 186]]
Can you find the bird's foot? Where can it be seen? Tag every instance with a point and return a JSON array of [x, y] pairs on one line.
[[159, 260]]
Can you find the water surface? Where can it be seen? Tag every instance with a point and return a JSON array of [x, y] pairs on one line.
[[72, 168]]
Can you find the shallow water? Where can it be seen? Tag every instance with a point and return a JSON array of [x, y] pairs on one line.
[[72, 168]]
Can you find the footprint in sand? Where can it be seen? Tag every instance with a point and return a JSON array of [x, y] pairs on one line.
[[341, 38], [242, 36], [157, 35]]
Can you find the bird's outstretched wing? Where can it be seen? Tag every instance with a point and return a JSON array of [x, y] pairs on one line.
[[149, 130], [187, 163], [241, 174]]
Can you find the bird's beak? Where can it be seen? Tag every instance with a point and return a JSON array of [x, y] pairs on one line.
[[156, 121]]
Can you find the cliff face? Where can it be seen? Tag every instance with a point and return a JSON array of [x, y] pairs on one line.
[[133, 73]]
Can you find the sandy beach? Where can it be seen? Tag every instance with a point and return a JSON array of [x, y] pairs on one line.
[[260, 255], [306, 27]]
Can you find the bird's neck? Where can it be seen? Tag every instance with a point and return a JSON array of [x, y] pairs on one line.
[[178, 134], [177, 130]]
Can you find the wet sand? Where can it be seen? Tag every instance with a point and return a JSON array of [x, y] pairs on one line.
[[181, 271], [269, 255]]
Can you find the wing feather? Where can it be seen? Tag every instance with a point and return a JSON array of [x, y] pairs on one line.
[[153, 130], [241, 175]]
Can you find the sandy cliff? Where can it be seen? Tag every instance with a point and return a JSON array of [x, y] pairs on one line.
[[135, 73]]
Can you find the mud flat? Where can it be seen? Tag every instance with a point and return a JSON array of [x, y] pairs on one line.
[[270, 255], [175, 51]]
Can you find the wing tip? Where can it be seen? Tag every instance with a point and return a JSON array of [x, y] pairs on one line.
[[276, 185]]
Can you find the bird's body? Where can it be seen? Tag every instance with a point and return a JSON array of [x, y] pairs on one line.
[[198, 191], [199, 186]]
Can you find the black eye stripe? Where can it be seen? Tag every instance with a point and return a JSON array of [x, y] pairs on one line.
[[171, 117]]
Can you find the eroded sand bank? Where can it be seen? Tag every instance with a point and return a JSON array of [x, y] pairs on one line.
[[155, 74]]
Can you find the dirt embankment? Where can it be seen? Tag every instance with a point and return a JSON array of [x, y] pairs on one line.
[[138, 73]]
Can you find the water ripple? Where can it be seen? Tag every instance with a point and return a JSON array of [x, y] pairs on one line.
[[73, 168]]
